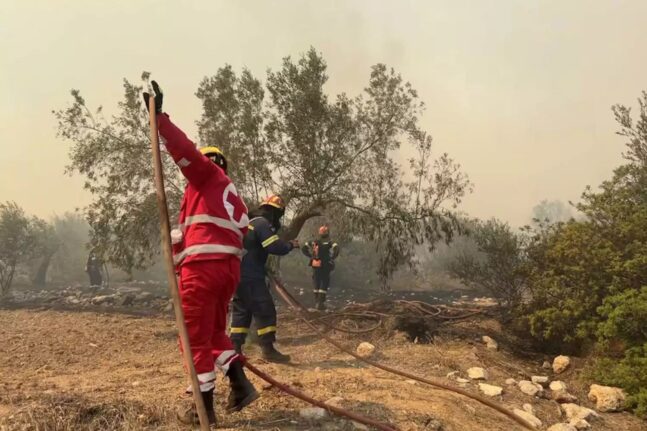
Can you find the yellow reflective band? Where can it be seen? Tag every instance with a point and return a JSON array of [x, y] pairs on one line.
[[270, 240], [250, 227], [267, 329], [239, 330]]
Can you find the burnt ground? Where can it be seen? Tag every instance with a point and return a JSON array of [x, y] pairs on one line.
[[106, 370]]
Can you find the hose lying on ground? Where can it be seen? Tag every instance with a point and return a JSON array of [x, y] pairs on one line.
[[336, 410], [305, 315]]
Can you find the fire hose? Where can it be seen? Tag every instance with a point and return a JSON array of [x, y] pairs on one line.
[[336, 410], [305, 316]]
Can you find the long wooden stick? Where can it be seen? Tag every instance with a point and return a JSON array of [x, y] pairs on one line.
[[165, 230]]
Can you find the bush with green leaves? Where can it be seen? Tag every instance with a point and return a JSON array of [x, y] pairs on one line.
[[498, 265]]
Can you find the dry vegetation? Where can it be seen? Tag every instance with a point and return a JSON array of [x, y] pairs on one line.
[[91, 371]]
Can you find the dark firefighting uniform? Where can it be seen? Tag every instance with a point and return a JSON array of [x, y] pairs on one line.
[[93, 268], [322, 254], [253, 297]]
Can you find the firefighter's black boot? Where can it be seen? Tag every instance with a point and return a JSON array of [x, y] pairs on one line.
[[190, 416], [272, 355], [242, 391], [238, 346]]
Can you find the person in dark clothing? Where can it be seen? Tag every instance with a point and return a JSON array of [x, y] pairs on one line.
[[93, 268], [253, 298], [322, 254]]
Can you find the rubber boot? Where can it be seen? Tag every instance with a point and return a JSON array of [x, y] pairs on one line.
[[238, 346], [272, 355], [190, 415], [242, 391]]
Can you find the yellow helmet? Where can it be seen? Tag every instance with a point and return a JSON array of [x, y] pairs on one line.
[[215, 155]]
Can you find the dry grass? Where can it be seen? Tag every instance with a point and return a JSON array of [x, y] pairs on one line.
[[67, 371]]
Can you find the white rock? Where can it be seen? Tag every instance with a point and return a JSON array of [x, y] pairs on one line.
[[477, 373], [490, 343], [561, 363], [365, 350], [313, 413], [540, 380], [490, 390], [528, 407], [336, 402], [607, 398], [546, 365], [359, 426], [510, 382], [557, 385], [575, 412], [580, 424], [530, 388], [532, 419], [462, 380], [562, 427]]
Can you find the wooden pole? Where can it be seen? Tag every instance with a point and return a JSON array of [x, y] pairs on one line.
[[165, 230]]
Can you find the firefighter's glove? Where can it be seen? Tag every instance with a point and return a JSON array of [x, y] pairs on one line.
[[158, 98]]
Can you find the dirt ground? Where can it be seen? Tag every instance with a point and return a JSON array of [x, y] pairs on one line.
[[73, 370]]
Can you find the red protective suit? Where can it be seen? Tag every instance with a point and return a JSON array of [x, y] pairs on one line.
[[213, 220]]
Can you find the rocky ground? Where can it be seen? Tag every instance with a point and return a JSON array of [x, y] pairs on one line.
[[104, 369]]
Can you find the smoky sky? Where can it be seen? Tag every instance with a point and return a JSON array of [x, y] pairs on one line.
[[519, 92]]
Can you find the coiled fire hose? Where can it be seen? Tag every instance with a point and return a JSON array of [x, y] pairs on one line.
[[305, 316]]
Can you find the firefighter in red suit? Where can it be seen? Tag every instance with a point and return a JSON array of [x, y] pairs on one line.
[[207, 248]]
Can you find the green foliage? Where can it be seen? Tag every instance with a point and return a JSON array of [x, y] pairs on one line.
[[114, 155], [19, 242], [624, 317], [629, 373], [499, 265], [331, 156]]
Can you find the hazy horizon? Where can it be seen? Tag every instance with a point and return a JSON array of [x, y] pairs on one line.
[[518, 93]]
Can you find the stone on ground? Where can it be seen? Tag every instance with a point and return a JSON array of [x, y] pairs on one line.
[[313, 413], [510, 381], [557, 385], [530, 388], [490, 343], [561, 363], [365, 350], [477, 373], [540, 380], [532, 419], [546, 365], [490, 390], [575, 412], [607, 398], [580, 424]]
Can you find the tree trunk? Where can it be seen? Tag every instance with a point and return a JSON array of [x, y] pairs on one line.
[[40, 279], [292, 231]]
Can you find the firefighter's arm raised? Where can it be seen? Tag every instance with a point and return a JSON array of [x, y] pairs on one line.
[[195, 167]]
